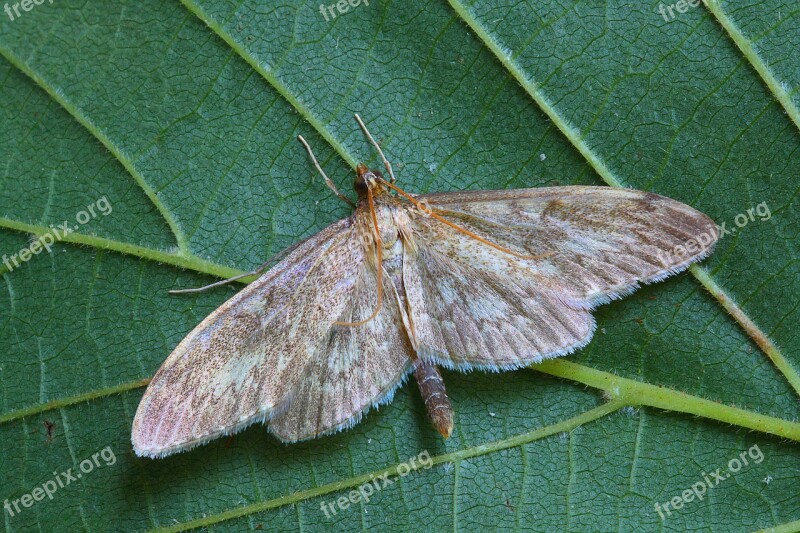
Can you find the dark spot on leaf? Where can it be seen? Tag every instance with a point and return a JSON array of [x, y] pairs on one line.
[[49, 428]]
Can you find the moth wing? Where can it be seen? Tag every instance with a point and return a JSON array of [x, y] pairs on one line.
[[358, 367], [239, 365], [603, 241], [473, 305], [467, 316]]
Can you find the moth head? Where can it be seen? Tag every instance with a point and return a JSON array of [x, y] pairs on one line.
[[367, 179]]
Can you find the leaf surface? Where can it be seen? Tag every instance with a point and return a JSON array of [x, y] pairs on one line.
[[184, 117]]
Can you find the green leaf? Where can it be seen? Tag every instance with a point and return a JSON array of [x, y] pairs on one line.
[[183, 116]]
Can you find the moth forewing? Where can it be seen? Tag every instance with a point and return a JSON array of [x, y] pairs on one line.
[[604, 241], [241, 363]]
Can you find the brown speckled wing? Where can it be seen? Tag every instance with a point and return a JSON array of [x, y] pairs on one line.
[[476, 306], [467, 316], [239, 365], [357, 367]]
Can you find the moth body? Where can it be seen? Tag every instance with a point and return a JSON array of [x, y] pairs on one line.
[[394, 225]]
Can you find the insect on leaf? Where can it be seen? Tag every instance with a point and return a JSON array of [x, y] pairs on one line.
[[491, 280]]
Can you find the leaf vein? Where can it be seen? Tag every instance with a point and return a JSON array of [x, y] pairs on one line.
[[58, 96]]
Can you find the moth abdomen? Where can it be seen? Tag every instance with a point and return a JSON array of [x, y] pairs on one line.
[[437, 403]]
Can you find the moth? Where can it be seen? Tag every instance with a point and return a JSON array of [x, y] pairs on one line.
[[473, 280]]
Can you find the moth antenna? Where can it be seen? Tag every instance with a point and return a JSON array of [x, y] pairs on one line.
[[428, 210], [377, 147], [328, 181], [379, 251]]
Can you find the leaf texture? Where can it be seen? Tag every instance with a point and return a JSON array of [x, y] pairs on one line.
[[183, 115]]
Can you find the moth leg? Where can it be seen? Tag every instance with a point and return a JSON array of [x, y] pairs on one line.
[[274, 259], [437, 403], [328, 181], [377, 147], [255, 272]]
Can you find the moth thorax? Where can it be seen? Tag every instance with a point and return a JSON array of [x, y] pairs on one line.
[[387, 226]]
